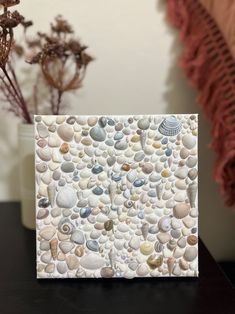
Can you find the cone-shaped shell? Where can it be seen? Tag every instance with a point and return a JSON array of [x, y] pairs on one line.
[[145, 230], [192, 193], [53, 247], [170, 126], [170, 264]]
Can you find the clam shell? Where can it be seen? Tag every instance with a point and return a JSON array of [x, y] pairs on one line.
[[92, 261], [66, 197], [66, 246], [65, 132], [181, 210], [189, 141], [190, 254], [170, 126], [98, 134]]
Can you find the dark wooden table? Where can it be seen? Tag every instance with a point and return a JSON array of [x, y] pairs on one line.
[[21, 292]]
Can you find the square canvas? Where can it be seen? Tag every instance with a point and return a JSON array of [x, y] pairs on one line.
[[116, 196]]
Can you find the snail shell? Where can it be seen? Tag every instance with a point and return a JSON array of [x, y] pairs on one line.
[[65, 226]]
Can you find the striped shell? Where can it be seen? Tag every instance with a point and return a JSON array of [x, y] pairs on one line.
[[170, 126]]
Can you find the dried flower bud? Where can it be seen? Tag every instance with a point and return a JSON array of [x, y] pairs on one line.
[[9, 3], [61, 26]]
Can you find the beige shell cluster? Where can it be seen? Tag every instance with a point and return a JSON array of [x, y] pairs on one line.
[[116, 196]]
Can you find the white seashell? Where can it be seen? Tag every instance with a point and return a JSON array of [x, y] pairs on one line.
[[142, 270], [181, 210], [143, 138], [128, 274], [180, 197], [61, 267], [190, 254], [131, 176], [47, 232], [44, 153], [42, 130], [49, 120], [180, 184], [51, 191], [184, 153], [60, 119], [176, 270], [178, 252], [191, 162], [93, 201], [182, 242], [66, 197], [189, 141], [158, 167], [189, 222], [176, 223], [163, 237], [181, 173], [159, 190], [154, 177], [192, 193], [66, 246], [164, 224], [119, 244], [134, 243], [167, 195], [65, 132], [46, 177], [152, 218], [54, 141]]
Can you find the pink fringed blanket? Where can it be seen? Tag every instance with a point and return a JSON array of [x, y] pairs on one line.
[[207, 29]]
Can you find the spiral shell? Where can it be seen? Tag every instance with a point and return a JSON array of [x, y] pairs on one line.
[[128, 204], [65, 226]]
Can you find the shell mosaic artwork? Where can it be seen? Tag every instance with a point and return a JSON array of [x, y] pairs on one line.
[[116, 196]]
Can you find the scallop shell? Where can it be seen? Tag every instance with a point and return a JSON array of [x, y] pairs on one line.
[[170, 126]]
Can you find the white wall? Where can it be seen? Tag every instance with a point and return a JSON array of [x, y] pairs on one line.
[[135, 72]]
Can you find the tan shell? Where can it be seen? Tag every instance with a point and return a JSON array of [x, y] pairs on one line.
[[54, 247], [79, 251], [170, 264], [192, 239], [155, 262], [64, 148], [146, 248]]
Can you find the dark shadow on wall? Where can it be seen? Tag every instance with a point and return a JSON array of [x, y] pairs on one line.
[[181, 98]]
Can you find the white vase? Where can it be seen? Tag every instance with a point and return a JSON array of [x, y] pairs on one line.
[[27, 181]]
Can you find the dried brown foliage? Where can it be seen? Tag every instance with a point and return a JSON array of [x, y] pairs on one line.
[[61, 58]]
